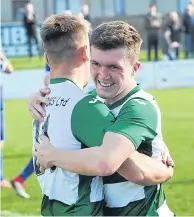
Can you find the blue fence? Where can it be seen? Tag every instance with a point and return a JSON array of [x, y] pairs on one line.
[[14, 40]]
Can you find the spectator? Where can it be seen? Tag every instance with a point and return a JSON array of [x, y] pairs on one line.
[[173, 35], [86, 13], [165, 44], [188, 22], [191, 2], [29, 21], [153, 25]]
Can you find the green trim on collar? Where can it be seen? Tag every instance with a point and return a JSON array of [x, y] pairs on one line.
[[60, 80], [121, 101]]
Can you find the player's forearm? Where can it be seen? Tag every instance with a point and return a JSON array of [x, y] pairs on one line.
[[103, 161], [89, 161], [155, 172], [144, 170]]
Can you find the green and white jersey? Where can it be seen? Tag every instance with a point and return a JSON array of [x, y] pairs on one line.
[[73, 121], [138, 118]]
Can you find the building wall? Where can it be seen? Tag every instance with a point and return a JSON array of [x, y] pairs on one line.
[[134, 8], [99, 8], [14, 39], [6, 10], [136, 20], [49, 7], [39, 9], [166, 6], [101, 11]]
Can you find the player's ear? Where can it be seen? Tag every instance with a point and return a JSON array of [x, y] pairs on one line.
[[136, 67], [84, 53]]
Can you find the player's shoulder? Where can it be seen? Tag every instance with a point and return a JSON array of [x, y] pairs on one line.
[[140, 104], [93, 92], [90, 107], [90, 102], [140, 98]]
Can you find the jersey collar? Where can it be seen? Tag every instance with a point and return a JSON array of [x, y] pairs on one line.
[[121, 101], [60, 80]]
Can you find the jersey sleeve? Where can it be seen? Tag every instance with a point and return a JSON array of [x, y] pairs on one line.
[[137, 121], [89, 121]]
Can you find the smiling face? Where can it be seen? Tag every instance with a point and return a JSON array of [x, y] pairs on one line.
[[112, 73], [115, 48]]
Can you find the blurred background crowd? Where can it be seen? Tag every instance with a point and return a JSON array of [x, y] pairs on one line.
[[164, 25]]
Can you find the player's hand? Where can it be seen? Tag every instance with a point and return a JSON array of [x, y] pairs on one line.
[[35, 103], [167, 159], [42, 169], [43, 152]]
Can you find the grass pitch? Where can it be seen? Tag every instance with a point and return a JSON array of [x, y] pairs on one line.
[[23, 63]]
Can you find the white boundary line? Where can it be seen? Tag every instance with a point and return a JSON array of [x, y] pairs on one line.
[[5, 213]]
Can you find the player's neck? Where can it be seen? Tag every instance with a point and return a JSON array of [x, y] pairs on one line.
[[69, 73], [122, 95]]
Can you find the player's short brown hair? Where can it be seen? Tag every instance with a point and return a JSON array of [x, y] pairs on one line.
[[117, 34], [63, 34]]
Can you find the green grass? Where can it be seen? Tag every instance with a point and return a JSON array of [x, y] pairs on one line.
[[20, 63], [178, 124], [24, 63]]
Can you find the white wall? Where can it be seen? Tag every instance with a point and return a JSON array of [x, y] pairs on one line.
[[6, 10], [166, 6], [135, 7], [152, 75]]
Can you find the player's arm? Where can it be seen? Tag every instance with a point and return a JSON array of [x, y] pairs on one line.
[[144, 170], [36, 104], [37, 101], [104, 160], [138, 121], [88, 125]]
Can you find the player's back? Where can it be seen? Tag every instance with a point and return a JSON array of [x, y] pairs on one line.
[[58, 184]]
